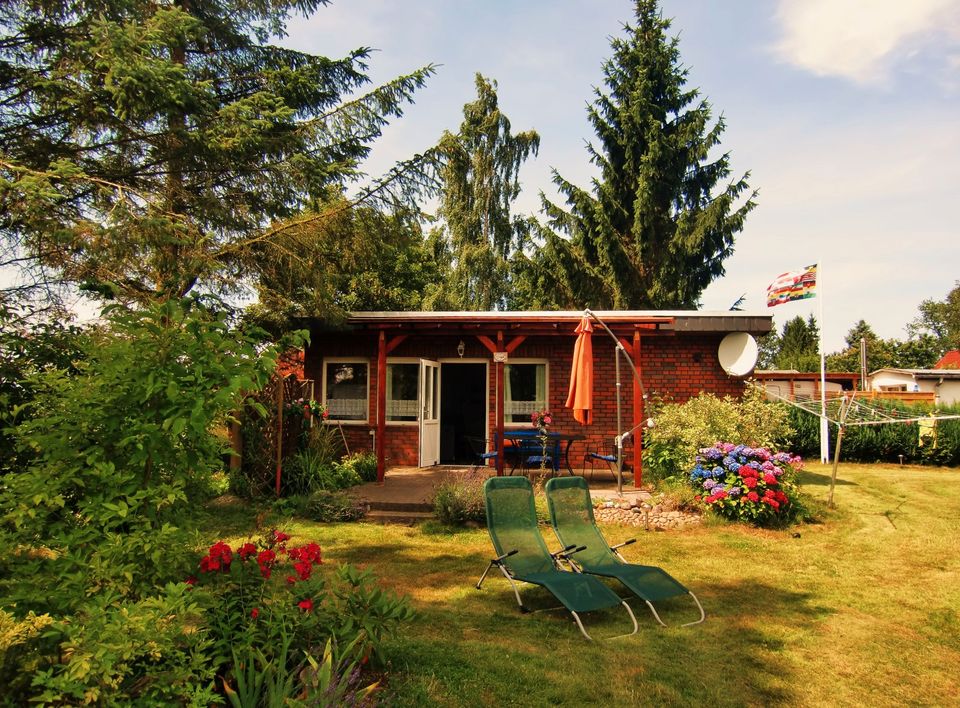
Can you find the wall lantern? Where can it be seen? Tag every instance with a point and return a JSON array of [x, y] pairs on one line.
[[460, 348]]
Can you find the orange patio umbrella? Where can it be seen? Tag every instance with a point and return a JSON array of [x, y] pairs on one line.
[[580, 397]]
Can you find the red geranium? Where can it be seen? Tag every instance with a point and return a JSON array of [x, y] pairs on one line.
[[306, 605], [247, 550]]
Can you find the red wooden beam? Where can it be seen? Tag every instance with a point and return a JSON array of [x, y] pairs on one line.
[[638, 414], [381, 406], [394, 342], [488, 343], [514, 343], [500, 397]]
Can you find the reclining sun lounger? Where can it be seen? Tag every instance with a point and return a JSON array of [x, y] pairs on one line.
[[522, 554], [571, 514]]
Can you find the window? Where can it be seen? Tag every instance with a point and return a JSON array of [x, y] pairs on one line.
[[345, 389], [402, 383], [525, 391]]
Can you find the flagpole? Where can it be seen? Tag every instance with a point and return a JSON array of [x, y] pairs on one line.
[[824, 425]]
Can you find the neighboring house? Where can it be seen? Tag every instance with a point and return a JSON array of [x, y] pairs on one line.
[[792, 384], [419, 387], [944, 384], [950, 360]]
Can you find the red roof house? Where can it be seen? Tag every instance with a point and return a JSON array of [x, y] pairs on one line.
[[950, 360], [419, 387]]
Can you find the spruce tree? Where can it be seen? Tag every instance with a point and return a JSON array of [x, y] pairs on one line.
[[479, 184], [657, 224], [146, 146]]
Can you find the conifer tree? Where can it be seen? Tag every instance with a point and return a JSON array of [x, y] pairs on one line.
[[657, 224], [146, 146], [480, 183]]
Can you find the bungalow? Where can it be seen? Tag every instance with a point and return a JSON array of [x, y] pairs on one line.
[[944, 384], [420, 388]]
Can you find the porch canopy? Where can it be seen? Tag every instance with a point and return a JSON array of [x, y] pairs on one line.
[[501, 333]]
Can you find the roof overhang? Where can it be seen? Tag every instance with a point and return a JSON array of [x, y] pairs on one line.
[[622, 322]]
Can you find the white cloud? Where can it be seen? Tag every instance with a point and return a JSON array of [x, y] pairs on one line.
[[864, 40]]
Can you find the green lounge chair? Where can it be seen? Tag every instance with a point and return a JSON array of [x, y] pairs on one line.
[[571, 514], [522, 554]]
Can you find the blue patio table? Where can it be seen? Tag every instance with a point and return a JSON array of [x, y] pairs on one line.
[[528, 441]]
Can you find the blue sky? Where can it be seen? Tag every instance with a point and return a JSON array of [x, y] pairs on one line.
[[844, 111]]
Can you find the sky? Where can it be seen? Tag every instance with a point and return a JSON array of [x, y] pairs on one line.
[[846, 114]]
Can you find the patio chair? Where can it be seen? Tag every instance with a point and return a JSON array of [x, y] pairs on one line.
[[571, 514], [522, 555], [481, 455], [605, 455]]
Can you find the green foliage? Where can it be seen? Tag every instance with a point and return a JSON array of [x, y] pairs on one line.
[[940, 319], [339, 258], [661, 217], [364, 464], [145, 147], [799, 345], [458, 499], [334, 680], [884, 443], [682, 430], [920, 352], [147, 652], [480, 183], [27, 348], [332, 507]]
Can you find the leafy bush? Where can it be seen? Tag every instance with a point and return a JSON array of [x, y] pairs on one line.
[[330, 507], [669, 448], [268, 605], [743, 483], [458, 499], [146, 652], [364, 464]]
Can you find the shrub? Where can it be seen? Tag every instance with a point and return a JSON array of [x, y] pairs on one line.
[[458, 499], [268, 605], [682, 429], [743, 483], [330, 507], [364, 464]]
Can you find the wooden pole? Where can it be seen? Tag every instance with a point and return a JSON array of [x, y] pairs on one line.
[[279, 430], [836, 463], [381, 406], [500, 405], [638, 416]]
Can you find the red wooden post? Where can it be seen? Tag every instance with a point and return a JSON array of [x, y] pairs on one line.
[[381, 406], [638, 415], [500, 402]]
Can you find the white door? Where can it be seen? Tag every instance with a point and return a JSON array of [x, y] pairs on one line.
[[429, 413]]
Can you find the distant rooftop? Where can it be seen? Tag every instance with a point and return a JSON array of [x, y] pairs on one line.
[[950, 360]]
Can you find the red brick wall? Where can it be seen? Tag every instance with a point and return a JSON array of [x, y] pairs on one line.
[[672, 367]]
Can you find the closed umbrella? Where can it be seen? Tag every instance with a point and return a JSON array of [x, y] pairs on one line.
[[580, 396]]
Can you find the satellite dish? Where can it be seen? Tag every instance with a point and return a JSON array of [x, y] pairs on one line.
[[738, 353]]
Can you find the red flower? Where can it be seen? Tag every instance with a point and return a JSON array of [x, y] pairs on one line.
[[280, 537], [191, 580], [255, 612], [749, 482], [291, 579], [769, 478], [768, 494], [247, 550], [265, 560], [753, 496], [303, 569], [306, 605]]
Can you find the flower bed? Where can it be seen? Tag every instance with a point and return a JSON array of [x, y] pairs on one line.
[[745, 483]]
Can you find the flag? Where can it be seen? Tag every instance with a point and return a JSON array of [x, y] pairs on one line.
[[795, 285]]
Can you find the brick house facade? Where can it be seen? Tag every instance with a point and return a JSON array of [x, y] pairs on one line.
[[675, 354]]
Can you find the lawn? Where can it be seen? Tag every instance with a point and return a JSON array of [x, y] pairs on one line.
[[863, 608]]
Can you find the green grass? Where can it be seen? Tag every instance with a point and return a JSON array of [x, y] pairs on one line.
[[863, 608]]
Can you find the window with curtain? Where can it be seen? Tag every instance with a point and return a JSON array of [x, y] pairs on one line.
[[524, 391], [346, 390], [402, 383]]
